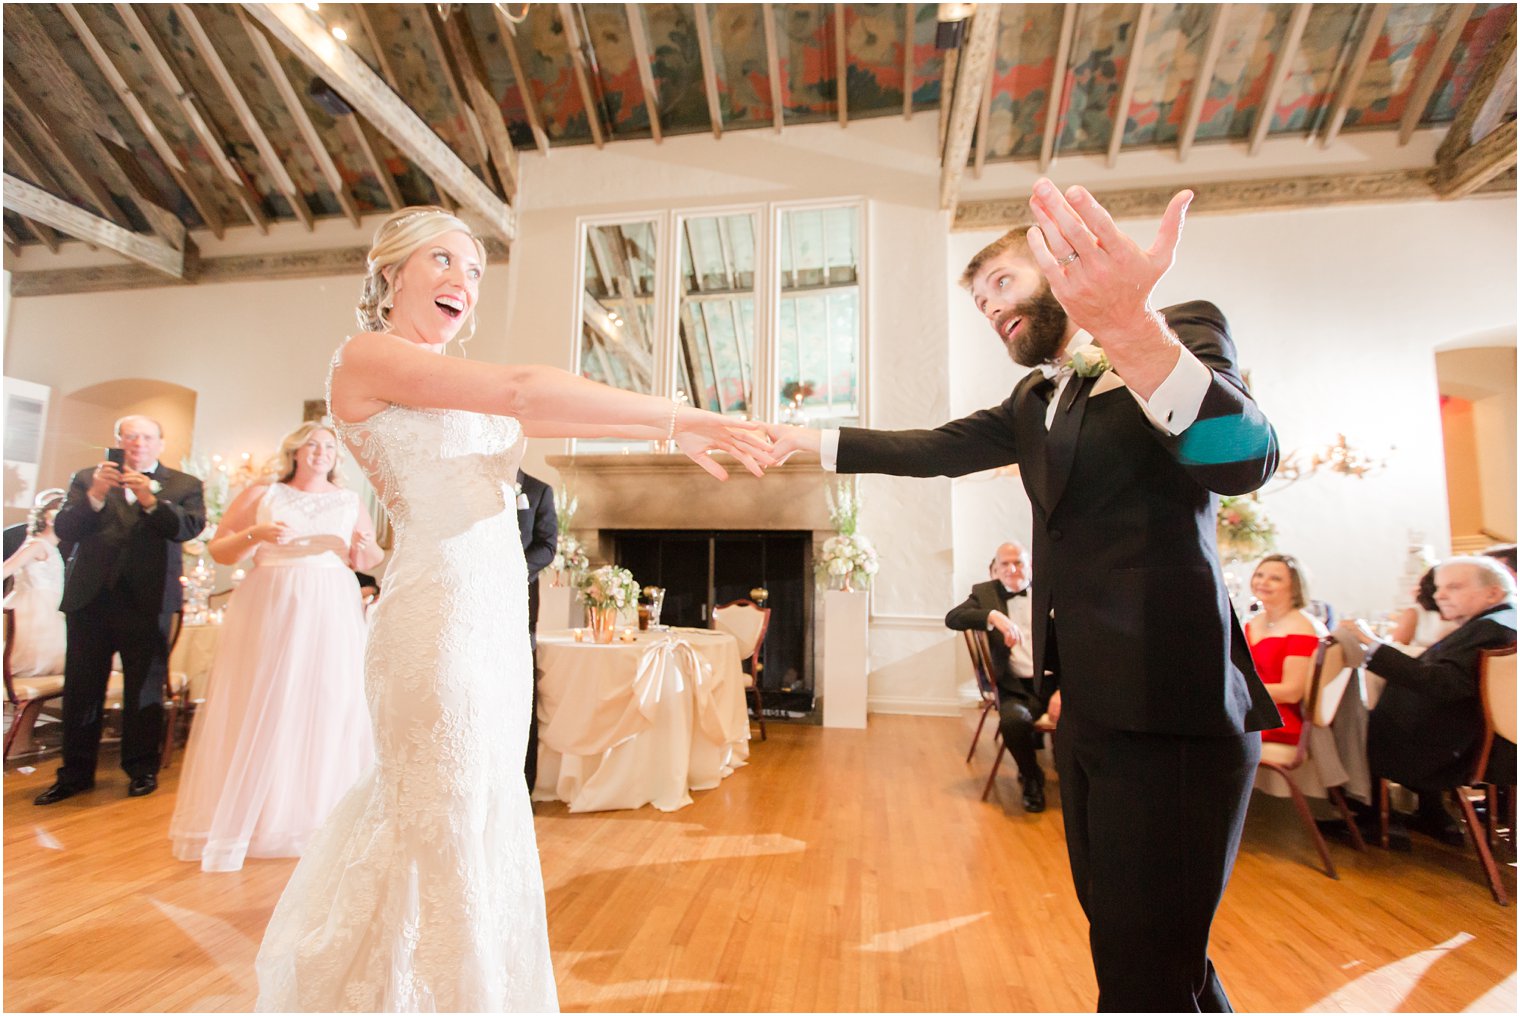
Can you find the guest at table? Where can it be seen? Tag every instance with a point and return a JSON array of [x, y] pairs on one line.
[[539, 528], [37, 567], [1422, 625], [1427, 727], [1283, 637], [285, 730]]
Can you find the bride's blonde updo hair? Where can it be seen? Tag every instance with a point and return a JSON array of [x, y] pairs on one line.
[[396, 240]]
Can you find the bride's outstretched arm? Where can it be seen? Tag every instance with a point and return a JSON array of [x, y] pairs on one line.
[[549, 402]]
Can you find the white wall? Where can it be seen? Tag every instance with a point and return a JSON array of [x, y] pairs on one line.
[[1337, 314]]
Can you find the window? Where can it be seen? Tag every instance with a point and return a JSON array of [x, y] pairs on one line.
[[759, 313]]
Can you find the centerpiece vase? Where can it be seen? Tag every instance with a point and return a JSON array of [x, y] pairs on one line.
[[603, 623]]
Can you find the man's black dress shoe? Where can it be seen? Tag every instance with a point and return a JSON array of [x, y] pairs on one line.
[[142, 786], [58, 792], [1447, 832], [1034, 795]]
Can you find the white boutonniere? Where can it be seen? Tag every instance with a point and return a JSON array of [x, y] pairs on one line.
[[154, 487], [522, 499], [1089, 361]]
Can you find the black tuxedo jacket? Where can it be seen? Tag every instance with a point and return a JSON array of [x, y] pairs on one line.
[[971, 615], [136, 551], [1124, 536], [1428, 725], [539, 529]]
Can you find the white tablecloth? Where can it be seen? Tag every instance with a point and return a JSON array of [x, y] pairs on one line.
[[193, 656], [642, 722]]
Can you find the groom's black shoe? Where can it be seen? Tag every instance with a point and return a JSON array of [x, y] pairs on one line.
[[59, 792], [142, 786], [1034, 793]]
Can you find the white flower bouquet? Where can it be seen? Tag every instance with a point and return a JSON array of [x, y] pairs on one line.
[[608, 586], [847, 560], [570, 555]]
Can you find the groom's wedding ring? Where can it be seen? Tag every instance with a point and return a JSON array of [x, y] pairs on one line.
[[1068, 259]]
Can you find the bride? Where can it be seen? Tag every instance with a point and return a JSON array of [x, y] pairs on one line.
[[422, 891]]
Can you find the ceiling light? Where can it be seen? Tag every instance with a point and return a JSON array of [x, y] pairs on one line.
[[313, 7], [339, 34]]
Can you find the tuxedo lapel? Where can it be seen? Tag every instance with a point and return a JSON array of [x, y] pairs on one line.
[[1061, 446], [1029, 424]]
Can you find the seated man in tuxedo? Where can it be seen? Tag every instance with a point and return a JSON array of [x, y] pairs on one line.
[[120, 593], [1427, 728], [1001, 607], [538, 526]]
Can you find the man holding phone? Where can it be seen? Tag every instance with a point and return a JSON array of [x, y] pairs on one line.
[[127, 517]]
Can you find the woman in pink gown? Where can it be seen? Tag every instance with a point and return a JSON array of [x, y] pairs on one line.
[[284, 731]]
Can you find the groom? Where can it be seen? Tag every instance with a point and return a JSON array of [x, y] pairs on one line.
[[1122, 457]]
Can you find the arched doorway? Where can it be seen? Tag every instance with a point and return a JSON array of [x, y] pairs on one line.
[[82, 422], [1477, 385]]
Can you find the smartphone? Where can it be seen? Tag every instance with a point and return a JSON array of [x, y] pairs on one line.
[[117, 455]]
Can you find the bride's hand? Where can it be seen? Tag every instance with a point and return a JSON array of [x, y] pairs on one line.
[[700, 433], [787, 440]]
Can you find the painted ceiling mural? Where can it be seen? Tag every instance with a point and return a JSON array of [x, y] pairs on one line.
[[199, 73]]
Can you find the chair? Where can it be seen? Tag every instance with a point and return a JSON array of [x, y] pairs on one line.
[[747, 622], [1496, 682], [978, 650], [27, 695], [176, 688], [1328, 684]]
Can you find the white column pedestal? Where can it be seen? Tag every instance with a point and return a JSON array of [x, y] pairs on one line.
[[845, 659]]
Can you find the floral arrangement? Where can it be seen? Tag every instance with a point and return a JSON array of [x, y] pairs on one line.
[[1243, 529], [1089, 361], [608, 586], [848, 559], [569, 553], [795, 391]]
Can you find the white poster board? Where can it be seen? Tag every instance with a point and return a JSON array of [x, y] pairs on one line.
[[26, 413]]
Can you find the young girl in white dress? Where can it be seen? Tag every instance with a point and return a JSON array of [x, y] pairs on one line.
[[37, 568]]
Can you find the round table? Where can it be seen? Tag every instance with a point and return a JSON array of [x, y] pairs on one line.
[[638, 722]]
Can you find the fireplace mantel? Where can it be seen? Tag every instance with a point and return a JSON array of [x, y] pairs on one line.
[[648, 491]]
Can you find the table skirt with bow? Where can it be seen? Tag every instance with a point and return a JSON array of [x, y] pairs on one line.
[[641, 722]]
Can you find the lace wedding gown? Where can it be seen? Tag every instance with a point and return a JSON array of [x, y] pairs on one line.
[[422, 892]]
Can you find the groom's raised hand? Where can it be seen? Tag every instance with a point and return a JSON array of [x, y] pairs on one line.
[[787, 440]]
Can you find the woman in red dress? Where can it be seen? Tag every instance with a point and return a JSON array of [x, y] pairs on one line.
[[1283, 639]]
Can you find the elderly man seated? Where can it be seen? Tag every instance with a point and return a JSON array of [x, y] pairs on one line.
[[1427, 727]]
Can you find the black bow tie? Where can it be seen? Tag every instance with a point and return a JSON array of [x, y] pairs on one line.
[[1022, 592]]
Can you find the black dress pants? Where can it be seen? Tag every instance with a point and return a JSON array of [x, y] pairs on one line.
[[109, 624], [1016, 724], [1153, 823]]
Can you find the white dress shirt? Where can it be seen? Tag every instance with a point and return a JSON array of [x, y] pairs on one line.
[[130, 495], [1173, 406], [1021, 656]]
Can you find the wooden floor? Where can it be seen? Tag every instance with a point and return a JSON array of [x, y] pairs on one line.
[[840, 871]]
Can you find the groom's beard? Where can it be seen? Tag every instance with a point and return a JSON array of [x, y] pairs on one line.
[[1043, 330]]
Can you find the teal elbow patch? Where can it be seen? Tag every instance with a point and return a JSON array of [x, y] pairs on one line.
[[1224, 439]]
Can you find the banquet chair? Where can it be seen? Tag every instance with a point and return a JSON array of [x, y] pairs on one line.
[[981, 666], [1329, 682], [1496, 682], [27, 695], [176, 688], [747, 622]]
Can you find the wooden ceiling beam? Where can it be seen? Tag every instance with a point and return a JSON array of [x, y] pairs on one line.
[[640, 38], [841, 67], [983, 123], [1132, 72], [277, 76], [12, 243], [498, 139], [215, 146], [573, 40], [457, 93], [244, 112], [156, 140], [1430, 72], [1212, 47], [709, 68], [367, 26], [370, 96], [970, 84], [361, 139], [36, 203], [47, 236], [1377, 17], [1057, 86], [60, 152], [910, 22], [1491, 91], [1282, 66], [773, 66], [509, 43], [1471, 169]]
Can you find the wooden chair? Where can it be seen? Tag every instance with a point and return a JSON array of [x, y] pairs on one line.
[[1496, 682], [986, 686], [747, 622], [1329, 682], [27, 695], [176, 688]]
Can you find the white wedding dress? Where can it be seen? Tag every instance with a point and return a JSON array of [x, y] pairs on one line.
[[422, 892]]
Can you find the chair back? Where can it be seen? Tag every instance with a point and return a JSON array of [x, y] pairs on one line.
[[746, 621], [1496, 684], [1328, 683], [10, 640], [980, 652]]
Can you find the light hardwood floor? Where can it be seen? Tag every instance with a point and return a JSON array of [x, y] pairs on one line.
[[840, 871]]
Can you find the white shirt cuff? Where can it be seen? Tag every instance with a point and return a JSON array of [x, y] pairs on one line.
[[828, 450], [1175, 403], [98, 505]]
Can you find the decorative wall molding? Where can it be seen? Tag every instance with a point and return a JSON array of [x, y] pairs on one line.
[[1235, 196]]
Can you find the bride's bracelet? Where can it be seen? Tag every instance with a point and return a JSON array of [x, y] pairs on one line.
[[670, 432]]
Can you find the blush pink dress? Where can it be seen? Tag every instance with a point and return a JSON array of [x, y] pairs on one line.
[[285, 730]]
